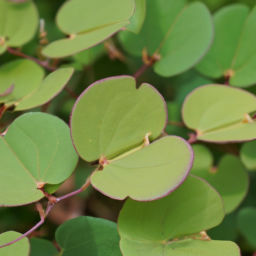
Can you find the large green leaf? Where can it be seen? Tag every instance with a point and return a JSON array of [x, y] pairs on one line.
[[171, 225], [138, 17], [248, 155], [88, 236], [88, 23], [22, 84], [20, 248], [112, 117], [149, 173], [35, 151], [219, 113], [230, 178], [42, 247], [247, 224], [113, 131], [18, 23], [179, 32], [233, 52]]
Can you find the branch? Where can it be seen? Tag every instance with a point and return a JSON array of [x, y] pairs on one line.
[[40, 62], [176, 123], [192, 138]]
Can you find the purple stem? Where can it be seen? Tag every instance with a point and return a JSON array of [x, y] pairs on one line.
[[70, 194]]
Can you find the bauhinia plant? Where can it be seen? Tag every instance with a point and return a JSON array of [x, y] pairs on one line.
[[135, 137]]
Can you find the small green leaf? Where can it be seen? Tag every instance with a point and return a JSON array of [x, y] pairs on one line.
[[178, 32], [28, 89], [88, 23], [219, 113], [18, 23], [233, 51], [51, 86], [20, 248], [112, 117], [248, 156], [230, 178], [36, 150], [90, 236], [247, 224], [149, 173], [171, 225], [42, 247], [138, 17]]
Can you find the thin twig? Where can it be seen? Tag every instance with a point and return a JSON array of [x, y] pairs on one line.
[[141, 70], [192, 138], [176, 123], [70, 92], [44, 64]]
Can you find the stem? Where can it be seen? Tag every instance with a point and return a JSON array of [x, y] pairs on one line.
[[42, 216], [71, 93], [142, 70], [192, 138], [180, 124], [40, 62], [2, 110]]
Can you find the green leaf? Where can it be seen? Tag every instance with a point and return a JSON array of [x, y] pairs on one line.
[[35, 151], [29, 90], [178, 32], [90, 236], [42, 247], [112, 117], [230, 178], [51, 86], [147, 174], [18, 23], [171, 225], [89, 56], [247, 155], [233, 51], [88, 23], [247, 225], [138, 17], [20, 248], [219, 113]]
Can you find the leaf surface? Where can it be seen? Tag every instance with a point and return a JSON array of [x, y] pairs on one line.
[[36, 150], [247, 155], [42, 247]]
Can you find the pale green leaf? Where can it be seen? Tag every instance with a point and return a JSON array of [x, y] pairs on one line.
[[171, 225], [219, 113], [248, 155], [112, 117], [20, 248], [233, 50], [88, 23], [230, 178], [149, 173], [178, 32], [90, 236], [18, 23], [36, 150]]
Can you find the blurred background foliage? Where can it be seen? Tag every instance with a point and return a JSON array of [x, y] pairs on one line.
[[97, 63]]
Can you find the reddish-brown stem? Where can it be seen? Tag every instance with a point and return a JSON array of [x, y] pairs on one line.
[[192, 138], [71, 93], [180, 124], [142, 70], [254, 254], [44, 64], [2, 111]]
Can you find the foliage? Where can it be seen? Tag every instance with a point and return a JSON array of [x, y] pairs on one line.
[[164, 136]]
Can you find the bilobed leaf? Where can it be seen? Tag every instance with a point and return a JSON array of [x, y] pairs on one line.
[[88, 23], [248, 156], [42, 247], [114, 130], [27, 89], [230, 178], [18, 23], [180, 33], [112, 117], [219, 113], [36, 150], [247, 225], [138, 17], [171, 225], [48, 89], [149, 173], [232, 53], [20, 248], [90, 236]]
